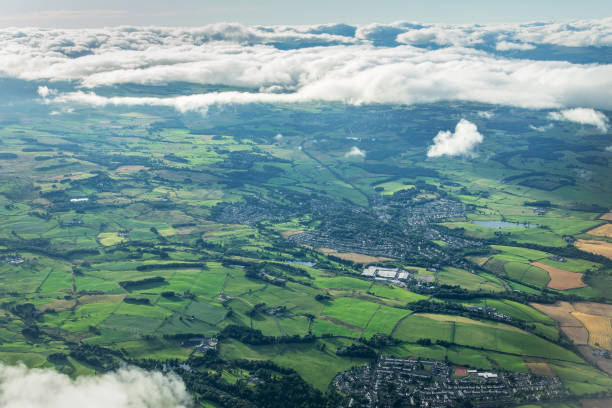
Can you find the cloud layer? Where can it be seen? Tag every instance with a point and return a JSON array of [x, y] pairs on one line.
[[583, 116], [460, 143], [126, 388], [400, 63]]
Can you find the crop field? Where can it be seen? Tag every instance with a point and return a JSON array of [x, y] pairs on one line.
[[540, 269], [384, 320], [581, 379], [354, 257], [355, 312], [539, 367], [416, 327], [600, 286], [393, 292], [602, 231], [595, 247], [572, 265], [515, 310], [314, 365], [602, 309], [561, 279], [322, 326], [515, 264], [527, 273], [563, 313], [469, 357], [599, 328], [342, 283], [473, 333], [465, 279], [596, 403], [585, 323]]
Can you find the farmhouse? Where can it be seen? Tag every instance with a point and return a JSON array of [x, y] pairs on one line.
[[72, 223], [16, 260], [208, 343]]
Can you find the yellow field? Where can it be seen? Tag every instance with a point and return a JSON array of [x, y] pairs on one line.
[[602, 231], [83, 300], [596, 403], [287, 234], [540, 368], [131, 169], [110, 238], [561, 279], [353, 256], [562, 312], [58, 305], [601, 309], [606, 216], [186, 230], [595, 247], [599, 327], [480, 260], [167, 232]]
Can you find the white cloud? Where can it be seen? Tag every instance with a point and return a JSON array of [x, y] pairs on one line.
[[355, 152], [584, 116], [363, 74], [126, 388], [486, 114], [343, 68], [461, 143], [509, 46], [609, 149], [543, 128], [581, 33], [444, 35], [44, 91]]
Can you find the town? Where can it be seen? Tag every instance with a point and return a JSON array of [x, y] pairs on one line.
[[397, 382]]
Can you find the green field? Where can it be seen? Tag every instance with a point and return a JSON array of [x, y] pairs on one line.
[[467, 280], [194, 227]]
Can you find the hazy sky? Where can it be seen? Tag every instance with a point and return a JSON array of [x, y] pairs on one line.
[[98, 13]]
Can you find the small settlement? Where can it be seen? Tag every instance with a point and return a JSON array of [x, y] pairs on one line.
[[397, 382]]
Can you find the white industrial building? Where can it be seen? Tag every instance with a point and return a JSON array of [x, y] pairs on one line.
[[380, 273]]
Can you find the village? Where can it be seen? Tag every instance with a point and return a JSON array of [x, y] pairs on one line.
[[397, 382]]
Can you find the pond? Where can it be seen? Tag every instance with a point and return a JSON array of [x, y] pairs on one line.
[[503, 224]]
